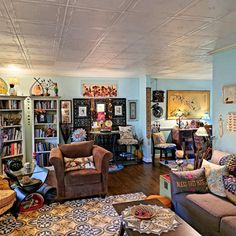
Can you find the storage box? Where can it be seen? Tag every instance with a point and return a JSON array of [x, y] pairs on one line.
[[165, 188]]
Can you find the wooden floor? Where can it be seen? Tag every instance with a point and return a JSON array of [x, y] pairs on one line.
[[136, 178]]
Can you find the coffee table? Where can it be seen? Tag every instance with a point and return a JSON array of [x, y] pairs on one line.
[[182, 230]]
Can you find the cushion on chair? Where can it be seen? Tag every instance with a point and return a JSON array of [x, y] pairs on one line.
[[217, 155], [158, 138], [77, 149], [126, 132], [82, 177], [127, 141], [7, 199], [166, 145], [78, 163]]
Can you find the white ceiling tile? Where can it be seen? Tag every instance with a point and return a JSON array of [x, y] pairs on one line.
[[115, 5], [36, 12], [211, 8], [84, 19]]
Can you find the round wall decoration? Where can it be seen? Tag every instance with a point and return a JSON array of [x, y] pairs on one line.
[[157, 111], [3, 87]]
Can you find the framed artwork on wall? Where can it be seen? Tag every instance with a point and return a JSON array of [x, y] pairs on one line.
[[82, 111], [187, 104], [229, 93], [99, 90], [65, 108], [132, 110], [118, 110]]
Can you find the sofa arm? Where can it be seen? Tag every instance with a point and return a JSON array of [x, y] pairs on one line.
[[56, 159], [101, 158]]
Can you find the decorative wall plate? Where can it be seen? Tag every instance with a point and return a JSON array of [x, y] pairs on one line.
[[157, 111], [3, 87]]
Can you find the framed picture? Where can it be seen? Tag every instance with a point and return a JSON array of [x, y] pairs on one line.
[[82, 111], [99, 90], [187, 104], [65, 107], [229, 94], [118, 110], [132, 110]]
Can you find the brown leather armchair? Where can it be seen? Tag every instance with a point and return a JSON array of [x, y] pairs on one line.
[[84, 182]]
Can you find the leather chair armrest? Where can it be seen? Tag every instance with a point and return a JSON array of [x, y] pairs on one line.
[[101, 158], [56, 159]]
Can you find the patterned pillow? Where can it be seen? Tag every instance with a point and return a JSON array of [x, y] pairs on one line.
[[218, 155], [214, 174], [230, 162], [158, 138], [78, 163], [189, 181], [230, 187], [126, 132]]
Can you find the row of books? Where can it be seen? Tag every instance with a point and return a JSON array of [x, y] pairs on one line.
[[43, 159], [46, 118], [10, 104], [45, 132], [9, 119], [12, 134], [12, 149], [45, 104], [44, 146]]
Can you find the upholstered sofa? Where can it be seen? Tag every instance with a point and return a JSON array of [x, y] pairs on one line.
[[83, 182], [208, 213]]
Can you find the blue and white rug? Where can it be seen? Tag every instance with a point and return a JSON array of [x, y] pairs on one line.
[[86, 217]]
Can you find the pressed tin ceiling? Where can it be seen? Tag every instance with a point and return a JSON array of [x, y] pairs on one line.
[[160, 38]]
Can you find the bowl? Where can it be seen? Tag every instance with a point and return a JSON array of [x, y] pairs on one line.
[[143, 212]]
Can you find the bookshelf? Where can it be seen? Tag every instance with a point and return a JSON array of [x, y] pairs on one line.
[[45, 127], [12, 127]]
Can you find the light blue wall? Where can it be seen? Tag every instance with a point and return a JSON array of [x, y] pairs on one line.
[[70, 87], [178, 84], [224, 72]]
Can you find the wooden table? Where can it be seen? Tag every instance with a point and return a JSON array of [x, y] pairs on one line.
[[182, 230]]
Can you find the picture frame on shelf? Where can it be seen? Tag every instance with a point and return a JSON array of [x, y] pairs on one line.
[[118, 110], [82, 111], [66, 111], [132, 110]]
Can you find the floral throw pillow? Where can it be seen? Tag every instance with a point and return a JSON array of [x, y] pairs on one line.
[[78, 163], [189, 181], [214, 174], [126, 132], [230, 162]]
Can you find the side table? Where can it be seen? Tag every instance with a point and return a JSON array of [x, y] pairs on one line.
[[29, 194]]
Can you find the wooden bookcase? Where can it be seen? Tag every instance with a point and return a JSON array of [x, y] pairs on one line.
[[45, 127], [13, 130]]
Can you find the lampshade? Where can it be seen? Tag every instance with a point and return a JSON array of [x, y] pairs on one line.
[[201, 132]]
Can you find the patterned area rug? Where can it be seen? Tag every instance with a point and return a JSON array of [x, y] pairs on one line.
[[86, 217]]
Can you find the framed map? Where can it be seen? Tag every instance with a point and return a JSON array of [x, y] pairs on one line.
[[187, 104]]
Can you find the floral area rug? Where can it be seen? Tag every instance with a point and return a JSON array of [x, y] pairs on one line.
[[86, 217]]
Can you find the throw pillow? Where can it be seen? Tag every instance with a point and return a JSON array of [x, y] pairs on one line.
[[79, 163], [214, 174], [77, 149], [126, 132], [230, 187], [218, 155], [158, 138], [231, 164], [189, 181]]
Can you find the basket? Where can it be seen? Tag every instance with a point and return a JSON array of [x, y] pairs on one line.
[[143, 212]]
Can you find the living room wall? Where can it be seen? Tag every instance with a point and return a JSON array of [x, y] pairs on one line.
[[178, 84], [224, 73], [70, 87]]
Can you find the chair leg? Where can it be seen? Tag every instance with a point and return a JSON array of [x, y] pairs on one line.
[[160, 155], [153, 157], [166, 156], [173, 154]]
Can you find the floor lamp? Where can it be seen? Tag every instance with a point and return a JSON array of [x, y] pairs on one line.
[[202, 146]]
